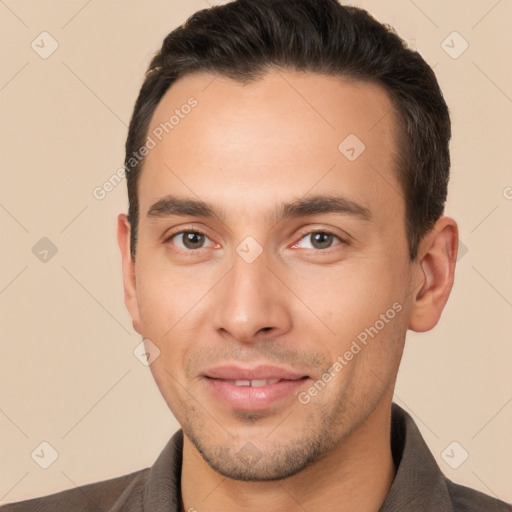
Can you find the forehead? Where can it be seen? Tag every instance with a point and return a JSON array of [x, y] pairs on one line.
[[286, 133]]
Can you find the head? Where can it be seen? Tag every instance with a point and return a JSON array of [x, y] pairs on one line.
[[287, 224]]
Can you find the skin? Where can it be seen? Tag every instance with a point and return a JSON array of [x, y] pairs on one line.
[[299, 304]]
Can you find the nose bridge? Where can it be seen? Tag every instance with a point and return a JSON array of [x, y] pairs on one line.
[[251, 298]]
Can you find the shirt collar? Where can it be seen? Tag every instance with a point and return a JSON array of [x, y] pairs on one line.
[[162, 492], [418, 485]]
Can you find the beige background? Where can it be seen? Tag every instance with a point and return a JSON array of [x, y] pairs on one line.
[[68, 373]]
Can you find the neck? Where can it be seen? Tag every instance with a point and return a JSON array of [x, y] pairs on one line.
[[355, 476]]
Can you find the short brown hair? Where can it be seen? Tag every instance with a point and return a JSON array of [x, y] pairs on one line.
[[245, 38]]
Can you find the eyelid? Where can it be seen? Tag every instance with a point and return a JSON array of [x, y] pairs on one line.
[[303, 233], [168, 237], [177, 230], [326, 231]]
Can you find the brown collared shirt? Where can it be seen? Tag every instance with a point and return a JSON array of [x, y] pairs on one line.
[[419, 484]]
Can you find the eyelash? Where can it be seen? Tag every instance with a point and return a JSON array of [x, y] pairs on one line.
[[323, 232], [185, 231], [302, 235]]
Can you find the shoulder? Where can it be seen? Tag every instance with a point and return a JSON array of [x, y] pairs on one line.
[[420, 484], [94, 497], [147, 489], [465, 499]]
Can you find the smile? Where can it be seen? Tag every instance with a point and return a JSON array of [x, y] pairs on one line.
[[254, 383]]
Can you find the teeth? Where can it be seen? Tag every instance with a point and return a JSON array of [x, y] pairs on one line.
[[254, 383], [258, 383]]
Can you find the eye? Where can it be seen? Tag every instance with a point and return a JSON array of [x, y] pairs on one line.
[[318, 240], [189, 240]]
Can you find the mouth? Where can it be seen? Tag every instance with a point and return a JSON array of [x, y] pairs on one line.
[[253, 389], [254, 383]]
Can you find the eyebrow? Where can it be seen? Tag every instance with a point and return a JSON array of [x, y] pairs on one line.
[[171, 205]]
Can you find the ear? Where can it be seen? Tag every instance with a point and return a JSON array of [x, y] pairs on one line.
[[130, 289], [433, 274]]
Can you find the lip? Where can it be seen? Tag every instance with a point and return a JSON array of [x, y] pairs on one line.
[[261, 372], [220, 383]]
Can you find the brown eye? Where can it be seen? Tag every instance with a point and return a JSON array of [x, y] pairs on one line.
[[321, 240], [193, 240], [189, 240], [318, 240]]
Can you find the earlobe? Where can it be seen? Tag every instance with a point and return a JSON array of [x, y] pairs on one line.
[[435, 268], [128, 267]]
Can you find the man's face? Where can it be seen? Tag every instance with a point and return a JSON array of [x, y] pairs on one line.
[[267, 295]]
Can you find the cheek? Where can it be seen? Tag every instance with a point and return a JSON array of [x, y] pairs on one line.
[[363, 312], [164, 297], [349, 296], [170, 385]]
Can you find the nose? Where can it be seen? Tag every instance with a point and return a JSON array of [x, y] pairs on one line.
[[251, 303]]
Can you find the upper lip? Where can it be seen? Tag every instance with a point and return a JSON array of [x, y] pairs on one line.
[[262, 372]]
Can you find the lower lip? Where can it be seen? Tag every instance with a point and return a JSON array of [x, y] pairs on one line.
[[248, 398]]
